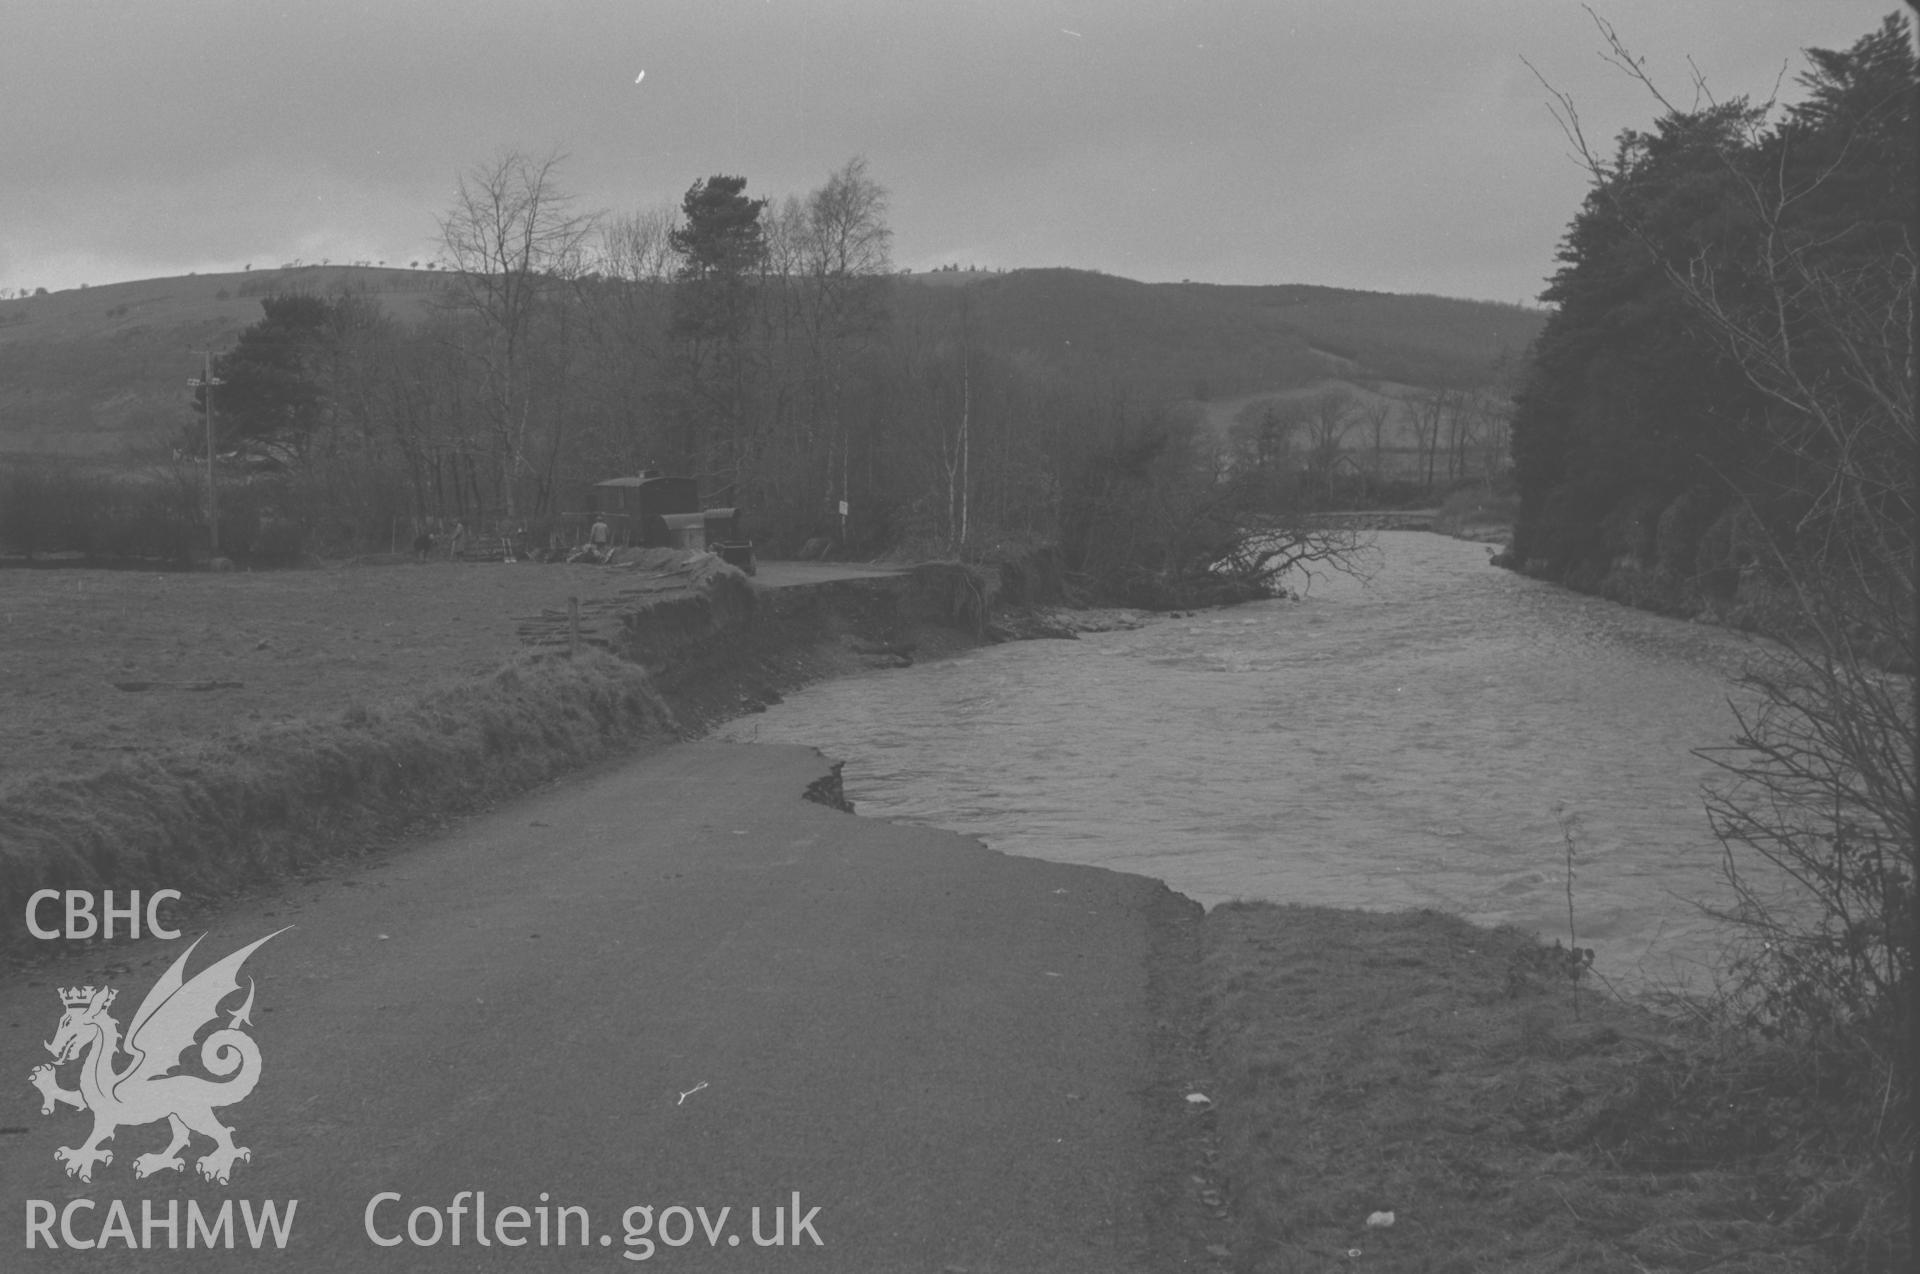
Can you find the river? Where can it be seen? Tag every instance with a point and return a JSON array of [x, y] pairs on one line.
[[1412, 741]]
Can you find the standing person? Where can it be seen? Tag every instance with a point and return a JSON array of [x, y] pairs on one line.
[[453, 541], [422, 546], [600, 537]]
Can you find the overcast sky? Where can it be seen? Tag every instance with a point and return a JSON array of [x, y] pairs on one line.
[[1395, 146]]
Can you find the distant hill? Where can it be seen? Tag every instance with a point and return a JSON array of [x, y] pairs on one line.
[[101, 370], [1172, 341], [97, 370], [1230, 351], [1202, 340]]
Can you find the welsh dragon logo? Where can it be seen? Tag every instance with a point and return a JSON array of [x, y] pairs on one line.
[[146, 1090]]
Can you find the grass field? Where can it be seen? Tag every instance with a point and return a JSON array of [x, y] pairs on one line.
[[216, 729], [275, 645], [211, 730]]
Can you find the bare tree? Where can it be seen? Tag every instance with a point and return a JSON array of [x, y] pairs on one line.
[[1376, 414], [847, 257], [636, 247], [822, 308], [1293, 552], [1461, 418], [849, 237], [1258, 459], [936, 356], [1496, 431], [515, 244], [1330, 416], [1426, 412], [625, 313]]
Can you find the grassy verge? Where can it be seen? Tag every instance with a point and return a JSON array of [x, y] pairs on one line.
[[206, 818], [203, 733], [1418, 1065], [221, 656]]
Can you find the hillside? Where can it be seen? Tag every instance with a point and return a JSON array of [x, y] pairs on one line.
[[98, 371], [95, 371], [1230, 352], [1202, 341], [1169, 340]]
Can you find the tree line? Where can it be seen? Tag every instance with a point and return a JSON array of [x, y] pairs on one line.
[[761, 348], [764, 347], [1723, 389]]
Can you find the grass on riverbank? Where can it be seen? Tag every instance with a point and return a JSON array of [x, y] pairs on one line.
[[1414, 1064], [203, 732], [206, 818]]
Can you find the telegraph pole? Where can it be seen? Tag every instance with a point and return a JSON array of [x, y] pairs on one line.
[[207, 382]]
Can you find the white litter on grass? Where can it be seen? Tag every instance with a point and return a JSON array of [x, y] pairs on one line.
[[1199, 1099], [1380, 1220]]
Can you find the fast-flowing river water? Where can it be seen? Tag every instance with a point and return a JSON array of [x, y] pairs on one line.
[[1416, 740]]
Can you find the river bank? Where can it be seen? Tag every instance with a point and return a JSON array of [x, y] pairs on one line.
[[1459, 1084], [1337, 1064], [211, 731]]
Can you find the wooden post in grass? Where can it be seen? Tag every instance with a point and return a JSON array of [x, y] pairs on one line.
[[573, 627]]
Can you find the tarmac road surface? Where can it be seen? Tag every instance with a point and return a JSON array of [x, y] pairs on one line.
[[671, 983], [791, 574]]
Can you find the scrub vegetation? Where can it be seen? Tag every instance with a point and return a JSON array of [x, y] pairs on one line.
[[1510, 1118], [206, 818], [1718, 420]]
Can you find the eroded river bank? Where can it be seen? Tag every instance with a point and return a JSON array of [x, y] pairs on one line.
[[1414, 740]]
